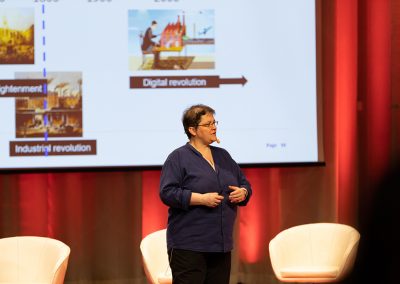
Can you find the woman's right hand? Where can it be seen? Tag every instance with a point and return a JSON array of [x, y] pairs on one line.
[[211, 199]]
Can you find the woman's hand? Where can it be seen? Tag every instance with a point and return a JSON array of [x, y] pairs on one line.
[[211, 199], [238, 194]]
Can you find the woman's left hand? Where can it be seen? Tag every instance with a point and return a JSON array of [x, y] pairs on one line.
[[238, 194]]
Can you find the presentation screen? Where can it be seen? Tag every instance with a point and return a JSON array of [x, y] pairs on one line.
[[104, 83]]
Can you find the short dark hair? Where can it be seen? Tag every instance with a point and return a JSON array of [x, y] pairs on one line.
[[192, 116], [154, 22]]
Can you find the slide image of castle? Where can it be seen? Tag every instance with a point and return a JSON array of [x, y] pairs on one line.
[[57, 115], [181, 40], [17, 36]]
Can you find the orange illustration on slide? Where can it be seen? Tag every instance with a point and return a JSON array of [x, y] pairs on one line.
[[176, 48], [62, 110], [17, 36]]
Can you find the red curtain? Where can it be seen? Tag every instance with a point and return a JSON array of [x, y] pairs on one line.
[[345, 105], [103, 215], [375, 93]]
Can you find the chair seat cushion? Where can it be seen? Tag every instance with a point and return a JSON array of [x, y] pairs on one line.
[[310, 272]]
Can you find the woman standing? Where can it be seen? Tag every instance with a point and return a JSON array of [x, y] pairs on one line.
[[202, 185]]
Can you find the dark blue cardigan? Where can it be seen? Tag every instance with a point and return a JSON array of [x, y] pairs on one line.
[[200, 228]]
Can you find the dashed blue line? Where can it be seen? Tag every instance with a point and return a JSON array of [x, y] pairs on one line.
[[46, 119]]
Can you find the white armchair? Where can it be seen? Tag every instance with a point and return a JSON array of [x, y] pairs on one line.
[[28, 259], [314, 253], [155, 258]]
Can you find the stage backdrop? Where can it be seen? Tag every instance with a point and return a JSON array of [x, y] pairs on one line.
[[103, 215]]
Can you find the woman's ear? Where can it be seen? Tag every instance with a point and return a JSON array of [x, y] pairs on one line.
[[192, 131]]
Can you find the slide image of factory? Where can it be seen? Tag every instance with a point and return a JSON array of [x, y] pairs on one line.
[[17, 36], [171, 39], [57, 115]]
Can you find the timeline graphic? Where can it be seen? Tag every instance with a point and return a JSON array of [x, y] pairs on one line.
[[96, 83], [47, 104]]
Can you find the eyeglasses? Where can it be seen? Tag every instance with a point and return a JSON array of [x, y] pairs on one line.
[[210, 124]]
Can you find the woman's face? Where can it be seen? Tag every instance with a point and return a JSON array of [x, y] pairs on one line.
[[206, 130]]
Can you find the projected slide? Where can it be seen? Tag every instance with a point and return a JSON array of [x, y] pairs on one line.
[[104, 83]]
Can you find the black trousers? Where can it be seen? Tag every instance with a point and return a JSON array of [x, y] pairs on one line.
[[191, 267]]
